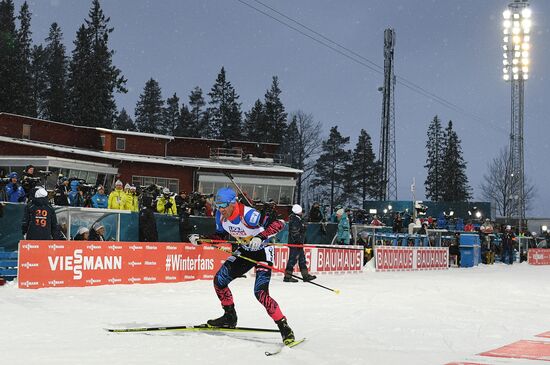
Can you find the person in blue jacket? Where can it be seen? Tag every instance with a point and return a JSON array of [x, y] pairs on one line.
[[14, 192], [100, 200], [75, 195]]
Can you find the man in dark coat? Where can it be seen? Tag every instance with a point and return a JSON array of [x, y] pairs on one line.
[[508, 238], [40, 221], [296, 236], [147, 223]]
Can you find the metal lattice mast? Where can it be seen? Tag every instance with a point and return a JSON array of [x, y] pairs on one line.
[[386, 153], [517, 28]]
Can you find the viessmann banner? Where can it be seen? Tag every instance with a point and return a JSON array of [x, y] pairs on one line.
[[45, 264], [390, 258]]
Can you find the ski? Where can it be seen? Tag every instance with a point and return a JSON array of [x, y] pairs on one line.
[[202, 327], [290, 345]]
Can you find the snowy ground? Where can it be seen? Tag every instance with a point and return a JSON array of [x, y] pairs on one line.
[[430, 317]]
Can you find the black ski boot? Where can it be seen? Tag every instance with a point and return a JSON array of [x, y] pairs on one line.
[[306, 276], [228, 320], [286, 331], [288, 277]]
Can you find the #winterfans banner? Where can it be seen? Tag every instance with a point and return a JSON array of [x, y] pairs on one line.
[[389, 258], [45, 264], [538, 256]]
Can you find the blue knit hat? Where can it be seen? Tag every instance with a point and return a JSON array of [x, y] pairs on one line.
[[12, 175], [226, 195]]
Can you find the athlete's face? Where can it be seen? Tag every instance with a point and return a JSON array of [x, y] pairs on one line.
[[227, 211]]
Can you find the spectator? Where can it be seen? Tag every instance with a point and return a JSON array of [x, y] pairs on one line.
[[117, 198], [397, 224], [315, 215], [100, 199], [334, 215], [182, 202], [423, 229], [469, 227], [83, 234], [296, 236], [376, 222], [487, 251], [40, 220], [61, 192], [454, 249], [147, 224], [97, 233], [75, 195], [132, 199], [14, 192], [166, 204], [185, 227], [342, 236], [508, 238]]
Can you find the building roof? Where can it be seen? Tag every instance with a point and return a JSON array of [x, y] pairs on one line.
[[170, 160]]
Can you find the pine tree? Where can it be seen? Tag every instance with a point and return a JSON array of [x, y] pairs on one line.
[[275, 116], [434, 161], [183, 128], [254, 123], [365, 172], [193, 123], [332, 166], [54, 95], [124, 122], [39, 78], [25, 103], [224, 110], [9, 57], [149, 108], [93, 79], [455, 186], [171, 116]]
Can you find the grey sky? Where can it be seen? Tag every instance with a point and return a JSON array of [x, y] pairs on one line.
[[450, 48]]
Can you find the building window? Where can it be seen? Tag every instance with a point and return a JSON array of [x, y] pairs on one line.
[[26, 131], [172, 184], [121, 144], [102, 141]]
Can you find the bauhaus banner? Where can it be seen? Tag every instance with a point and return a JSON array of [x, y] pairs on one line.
[[389, 258]]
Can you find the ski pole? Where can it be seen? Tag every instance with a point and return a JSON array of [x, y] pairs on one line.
[[305, 245], [336, 291]]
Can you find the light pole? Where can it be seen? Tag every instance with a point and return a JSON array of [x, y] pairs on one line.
[[516, 47]]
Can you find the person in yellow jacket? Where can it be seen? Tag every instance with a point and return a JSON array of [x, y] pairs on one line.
[[166, 203], [117, 198], [132, 200]]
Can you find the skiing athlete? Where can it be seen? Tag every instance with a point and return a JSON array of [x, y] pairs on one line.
[[243, 223]]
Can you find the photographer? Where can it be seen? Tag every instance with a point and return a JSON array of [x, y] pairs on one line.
[[61, 192], [182, 201], [29, 181], [75, 196], [147, 225], [100, 200], [185, 227], [14, 192], [166, 204]]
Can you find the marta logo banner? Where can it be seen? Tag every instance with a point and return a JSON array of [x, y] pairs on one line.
[[45, 264], [389, 258]]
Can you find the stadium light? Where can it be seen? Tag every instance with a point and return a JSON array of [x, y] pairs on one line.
[[516, 27]]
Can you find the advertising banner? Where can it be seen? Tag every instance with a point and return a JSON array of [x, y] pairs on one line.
[[340, 259], [45, 264], [538, 256], [389, 258], [85, 263]]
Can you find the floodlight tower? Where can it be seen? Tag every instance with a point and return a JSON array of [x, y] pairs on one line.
[[516, 37], [388, 174]]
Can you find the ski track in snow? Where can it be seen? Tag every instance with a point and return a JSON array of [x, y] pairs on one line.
[[429, 317]]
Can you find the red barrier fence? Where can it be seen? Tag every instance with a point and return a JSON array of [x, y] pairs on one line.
[[84, 263], [538, 256]]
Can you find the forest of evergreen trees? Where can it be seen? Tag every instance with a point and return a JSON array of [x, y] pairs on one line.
[[42, 80]]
